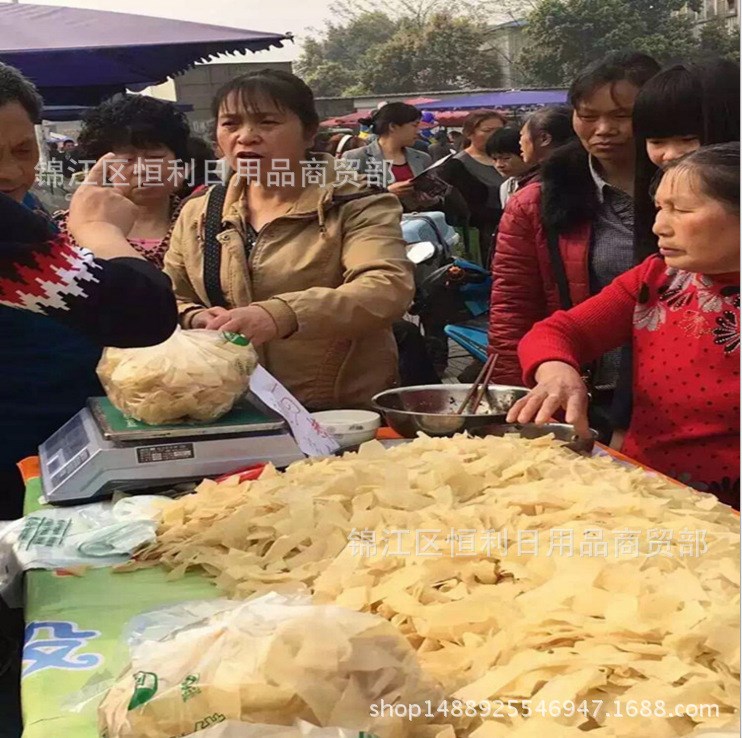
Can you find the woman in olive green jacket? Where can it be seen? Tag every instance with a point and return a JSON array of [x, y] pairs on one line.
[[312, 265]]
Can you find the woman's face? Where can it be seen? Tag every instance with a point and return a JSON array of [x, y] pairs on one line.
[[509, 165], [696, 233], [661, 151], [534, 148], [153, 173], [602, 122], [260, 141], [405, 134], [527, 146], [483, 131]]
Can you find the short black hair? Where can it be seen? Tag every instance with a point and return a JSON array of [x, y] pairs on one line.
[[503, 141], [631, 66], [15, 88], [717, 169], [397, 113], [700, 100], [555, 120], [133, 120], [285, 90]]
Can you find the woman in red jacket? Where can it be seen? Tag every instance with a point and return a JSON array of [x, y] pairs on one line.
[[565, 238], [680, 311]]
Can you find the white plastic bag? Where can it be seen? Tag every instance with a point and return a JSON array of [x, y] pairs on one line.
[[194, 375], [273, 660], [97, 534], [233, 729]]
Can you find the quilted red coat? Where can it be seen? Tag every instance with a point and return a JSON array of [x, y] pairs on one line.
[[524, 290]]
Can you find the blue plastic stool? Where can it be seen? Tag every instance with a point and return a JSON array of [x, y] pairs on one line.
[[474, 340]]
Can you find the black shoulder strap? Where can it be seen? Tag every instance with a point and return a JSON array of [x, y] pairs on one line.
[[212, 247], [557, 266]]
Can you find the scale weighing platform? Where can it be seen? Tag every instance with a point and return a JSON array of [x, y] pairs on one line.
[[100, 451]]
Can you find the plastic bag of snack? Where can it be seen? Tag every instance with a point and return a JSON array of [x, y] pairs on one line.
[[194, 375], [233, 729], [273, 660]]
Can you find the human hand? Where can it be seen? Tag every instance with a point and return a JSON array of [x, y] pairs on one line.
[[96, 208], [559, 386], [253, 322], [402, 189], [202, 318]]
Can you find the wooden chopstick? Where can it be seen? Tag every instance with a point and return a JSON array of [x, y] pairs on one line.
[[484, 389], [487, 392], [475, 387]]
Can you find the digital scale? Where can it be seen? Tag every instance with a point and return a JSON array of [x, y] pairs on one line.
[[100, 451]]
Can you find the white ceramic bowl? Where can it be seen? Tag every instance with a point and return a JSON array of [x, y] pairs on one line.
[[350, 427]]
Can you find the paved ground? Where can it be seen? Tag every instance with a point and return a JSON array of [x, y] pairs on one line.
[[52, 201]]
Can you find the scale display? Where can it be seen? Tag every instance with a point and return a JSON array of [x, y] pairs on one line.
[[67, 450], [99, 451]]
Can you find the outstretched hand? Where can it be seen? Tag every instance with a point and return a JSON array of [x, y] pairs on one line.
[[559, 386]]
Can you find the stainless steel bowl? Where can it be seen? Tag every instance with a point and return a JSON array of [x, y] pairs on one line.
[[432, 408], [561, 432]]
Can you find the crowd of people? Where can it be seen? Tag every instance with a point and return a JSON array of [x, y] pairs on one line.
[[610, 225], [302, 251]]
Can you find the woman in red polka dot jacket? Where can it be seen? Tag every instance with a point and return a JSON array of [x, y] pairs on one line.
[[680, 309]]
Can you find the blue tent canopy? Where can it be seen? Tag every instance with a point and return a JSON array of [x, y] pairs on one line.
[[506, 99], [79, 57]]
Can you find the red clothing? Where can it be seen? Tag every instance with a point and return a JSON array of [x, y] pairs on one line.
[[686, 337], [402, 172], [524, 290]]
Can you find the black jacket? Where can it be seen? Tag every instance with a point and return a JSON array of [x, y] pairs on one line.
[[474, 192], [568, 193]]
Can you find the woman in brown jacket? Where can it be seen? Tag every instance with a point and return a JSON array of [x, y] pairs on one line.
[[296, 253]]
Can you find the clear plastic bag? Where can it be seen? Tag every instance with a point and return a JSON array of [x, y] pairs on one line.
[[194, 375], [233, 729], [274, 660]]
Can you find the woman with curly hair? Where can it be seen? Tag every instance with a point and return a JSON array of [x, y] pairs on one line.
[[150, 140]]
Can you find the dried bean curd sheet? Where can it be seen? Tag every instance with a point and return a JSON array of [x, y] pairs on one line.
[[517, 570]]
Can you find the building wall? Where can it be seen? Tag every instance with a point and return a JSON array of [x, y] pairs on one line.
[[508, 40], [728, 10]]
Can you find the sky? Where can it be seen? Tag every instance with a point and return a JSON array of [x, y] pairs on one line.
[[296, 16]]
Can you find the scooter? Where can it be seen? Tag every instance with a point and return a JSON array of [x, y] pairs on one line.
[[451, 300]]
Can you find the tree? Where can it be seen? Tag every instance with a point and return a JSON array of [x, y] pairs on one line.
[[717, 40], [445, 54], [408, 46], [328, 64], [563, 36]]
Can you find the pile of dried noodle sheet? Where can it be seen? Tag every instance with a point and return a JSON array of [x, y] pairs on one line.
[[646, 607]]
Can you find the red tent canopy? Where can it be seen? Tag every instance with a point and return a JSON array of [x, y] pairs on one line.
[[457, 117], [352, 119], [417, 101]]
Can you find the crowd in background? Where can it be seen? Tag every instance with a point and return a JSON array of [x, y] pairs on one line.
[[610, 228], [560, 206]]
